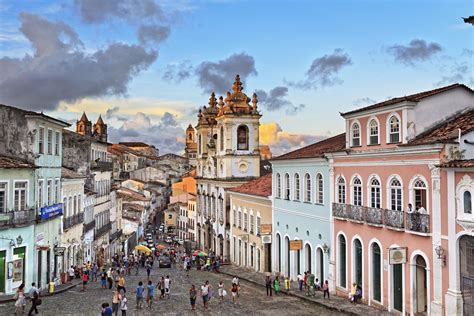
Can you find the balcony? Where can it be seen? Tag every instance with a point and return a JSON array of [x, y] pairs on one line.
[[115, 235], [398, 220], [70, 221], [102, 166], [102, 231], [17, 218], [89, 226]]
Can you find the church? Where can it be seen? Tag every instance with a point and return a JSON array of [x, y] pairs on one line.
[[228, 156]]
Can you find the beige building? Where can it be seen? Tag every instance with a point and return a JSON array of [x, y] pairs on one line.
[[251, 222]]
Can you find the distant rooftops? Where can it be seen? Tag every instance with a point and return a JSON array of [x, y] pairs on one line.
[[260, 187]]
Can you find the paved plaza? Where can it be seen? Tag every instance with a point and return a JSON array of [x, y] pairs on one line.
[[252, 301]]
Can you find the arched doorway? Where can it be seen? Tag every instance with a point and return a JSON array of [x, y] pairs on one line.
[[287, 244], [307, 255], [320, 265], [357, 259], [278, 252], [376, 273], [420, 290], [466, 254]]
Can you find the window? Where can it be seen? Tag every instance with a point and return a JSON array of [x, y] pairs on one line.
[[358, 262], [394, 129], [56, 145], [65, 207], [419, 190], [245, 221], [287, 186], [307, 181], [375, 193], [56, 192], [342, 261], [49, 192], [467, 202], [356, 192], [258, 224], [278, 185], [341, 190], [41, 140], [373, 132], [222, 138], [297, 187], [3, 197], [240, 219], [355, 132], [395, 195], [251, 222], [319, 189], [50, 142], [235, 217], [40, 193], [20, 195], [242, 137]]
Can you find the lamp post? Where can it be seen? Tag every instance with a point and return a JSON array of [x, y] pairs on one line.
[[440, 252]]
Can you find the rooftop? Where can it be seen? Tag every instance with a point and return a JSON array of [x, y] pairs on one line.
[[135, 144], [318, 149], [409, 98], [15, 163], [70, 174], [130, 195], [467, 163], [260, 187], [39, 115]]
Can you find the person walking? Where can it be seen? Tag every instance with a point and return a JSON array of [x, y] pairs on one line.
[[116, 298], [148, 269], [121, 284], [109, 278], [161, 287], [205, 294], [236, 280], [221, 291], [192, 297], [85, 278], [276, 286], [268, 285], [33, 294], [106, 310], [326, 288], [167, 284], [235, 292], [299, 278], [123, 305], [150, 293], [71, 273], [103, 279], [20, 298], [139, 294]]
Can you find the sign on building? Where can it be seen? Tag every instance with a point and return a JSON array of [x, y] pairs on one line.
[[266, 239], [296, 244], [265, 229], [398, 255], [51, 211]]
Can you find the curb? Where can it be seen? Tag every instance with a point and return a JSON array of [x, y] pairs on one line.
[[334, 308], [44, 293]]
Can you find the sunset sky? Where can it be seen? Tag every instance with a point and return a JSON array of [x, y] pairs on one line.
[[147, 65]]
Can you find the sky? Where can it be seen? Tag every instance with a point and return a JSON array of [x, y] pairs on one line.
[[147, 66]]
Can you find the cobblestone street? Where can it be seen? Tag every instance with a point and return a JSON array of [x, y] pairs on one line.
[[252, 301]]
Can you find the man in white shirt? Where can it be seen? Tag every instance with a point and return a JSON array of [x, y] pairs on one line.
[[167, 286], [71, 273]]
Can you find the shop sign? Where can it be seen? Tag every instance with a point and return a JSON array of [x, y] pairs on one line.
[[266, 239], [296, 244], [51, 211], [398, 255], [39, 238], [265, 229], [59, 251]]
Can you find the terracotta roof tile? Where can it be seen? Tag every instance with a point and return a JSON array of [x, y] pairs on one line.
[[318, 149], [70, 174], [447, 131], [467, 163], [14, 163], [261, 186], [413, 98]]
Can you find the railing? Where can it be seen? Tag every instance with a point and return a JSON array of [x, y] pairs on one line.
[[102, 166], [89, 226], [415, 222], [73, 220], [101, 231], [115, 235], [17, 218]]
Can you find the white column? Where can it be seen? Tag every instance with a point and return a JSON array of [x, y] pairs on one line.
[[437, 303], [332, 250]]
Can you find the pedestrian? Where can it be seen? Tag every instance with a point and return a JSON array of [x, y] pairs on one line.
[[106, 309], [221, 291], [236, 280], [139, 294], [123, 305], [310, 288], [109, 278], [192, 297], [103, 279], [85, 278], [70, 273], [95, 268], [20, 298], [33, 293], [305, 279], [326, 288], [150, 293], [299, 278], [116, 298], [148, 270], [161, 287], [205, 294], [317, 285], [235, 292], [167, 284], [121, 284], [287, 285], [276, 286], [268, 285]]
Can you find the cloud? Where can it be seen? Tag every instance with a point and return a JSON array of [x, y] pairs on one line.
[[363, 101], [114, 113], [166, 134], [177, 72], [458, 72], [61, 70], [324, 70], [154, 34], [98, 11], [276, 100], [219, 76], [281, 142], [416, 51]]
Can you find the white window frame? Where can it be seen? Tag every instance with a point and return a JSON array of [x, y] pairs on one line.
[[319, 188], [251, 222], [389, 128], [57, 142], [287, 187], [412, 188], [41, 139], [26, 192], [369, 131], [297, 195], [344, 193], [258, 224], [49, 141], [278, 185], [353, 188], [352, 138], [369, 191], [465, 184], [6, 195], [307, 187], [389, 191], [245, 220]]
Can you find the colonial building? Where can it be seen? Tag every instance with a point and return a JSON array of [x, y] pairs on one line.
[[251, 205], [227, 156], [302, 210], [390, 213], [142, 148], [190, 151]]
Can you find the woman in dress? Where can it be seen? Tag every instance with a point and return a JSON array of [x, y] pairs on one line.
[[221, 291], [192, 297], [276, 286], [20, 300]]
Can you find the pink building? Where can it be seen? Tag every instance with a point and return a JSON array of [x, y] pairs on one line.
[[389, 204]]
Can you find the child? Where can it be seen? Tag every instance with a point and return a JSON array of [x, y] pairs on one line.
[[123, 305], [326, 288]]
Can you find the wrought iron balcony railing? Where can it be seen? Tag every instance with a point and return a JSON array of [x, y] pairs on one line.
[[418, 222], [102, 231], [89, 226], [73, 220], [16, 218], [394, 219], [115, 235]]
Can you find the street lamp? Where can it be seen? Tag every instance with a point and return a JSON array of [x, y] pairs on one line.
[[325, 248], [440, 252], [19, 240]]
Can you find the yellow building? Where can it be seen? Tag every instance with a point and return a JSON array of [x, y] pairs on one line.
[[187, 184], [251, 224]]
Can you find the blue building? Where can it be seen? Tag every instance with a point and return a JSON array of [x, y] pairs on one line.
[[302, 210]]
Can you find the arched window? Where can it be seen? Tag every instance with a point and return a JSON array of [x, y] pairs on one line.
[[419, 190], [319, 189], [297, 187], [395, 195], [242, 137], [467, 201], [278, 185], [376, 273], [355, 134], [287, 186], [394, 133], [222, 138], [307, 194], [356, 191], [341, 190], [342, 261], [373, 132], [375, 193]]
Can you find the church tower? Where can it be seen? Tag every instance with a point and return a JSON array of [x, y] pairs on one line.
[[84, 126], [100, 130], [191, 147]]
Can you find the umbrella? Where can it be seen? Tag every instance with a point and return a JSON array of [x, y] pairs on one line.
[[202, 254], [195, 253], [161, 247], [143, 248]]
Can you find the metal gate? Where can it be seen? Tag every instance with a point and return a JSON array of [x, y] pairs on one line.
[[467, 295], [466, 248]]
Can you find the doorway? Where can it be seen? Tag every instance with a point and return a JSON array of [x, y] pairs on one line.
[[320, 265], [307, 255], [287, 243], [268, 257], [466, 250], [397, 281], [420, 286]]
